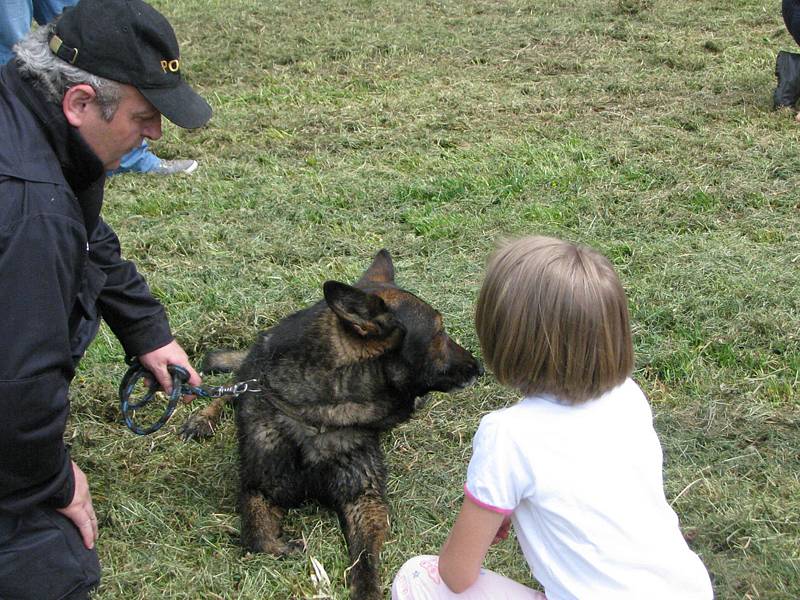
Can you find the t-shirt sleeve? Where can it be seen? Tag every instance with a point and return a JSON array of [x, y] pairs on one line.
[[497, 477]]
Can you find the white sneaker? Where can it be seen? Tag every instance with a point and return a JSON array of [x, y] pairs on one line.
[[170, 167]]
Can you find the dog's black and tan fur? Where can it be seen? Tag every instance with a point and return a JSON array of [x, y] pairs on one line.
[[332, 378]]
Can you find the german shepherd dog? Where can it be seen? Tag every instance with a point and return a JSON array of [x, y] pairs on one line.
[[333, 377]]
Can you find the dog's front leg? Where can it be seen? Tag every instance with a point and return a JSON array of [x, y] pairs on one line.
[[201, 424], [365, 522], [261, 529]]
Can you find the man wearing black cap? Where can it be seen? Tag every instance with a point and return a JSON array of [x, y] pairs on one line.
[[80, 94]]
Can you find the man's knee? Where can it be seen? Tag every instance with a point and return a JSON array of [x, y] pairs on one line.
[[42, 557]]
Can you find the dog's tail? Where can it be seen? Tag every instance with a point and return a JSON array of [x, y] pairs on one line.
[[223, 361]]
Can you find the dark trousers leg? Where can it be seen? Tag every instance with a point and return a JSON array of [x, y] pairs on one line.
[[787, 64], [42, 557], [791, 17]]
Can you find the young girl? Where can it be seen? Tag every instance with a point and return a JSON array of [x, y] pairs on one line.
[[575, 465]]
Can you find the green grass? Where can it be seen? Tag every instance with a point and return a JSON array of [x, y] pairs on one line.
[[433, 128]]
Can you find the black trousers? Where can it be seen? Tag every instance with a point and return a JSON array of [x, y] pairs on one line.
[[42, 556], [791, 16]]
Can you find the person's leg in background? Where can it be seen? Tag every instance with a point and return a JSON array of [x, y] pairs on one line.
[[787, 64], [45, 11], [15, 21], [142, 160]]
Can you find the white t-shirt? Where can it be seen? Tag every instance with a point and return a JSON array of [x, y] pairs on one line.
[[583, 485]]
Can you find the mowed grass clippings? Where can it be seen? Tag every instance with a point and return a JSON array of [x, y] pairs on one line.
[[432, 129]]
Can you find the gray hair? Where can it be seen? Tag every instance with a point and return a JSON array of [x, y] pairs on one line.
[[54, 76]]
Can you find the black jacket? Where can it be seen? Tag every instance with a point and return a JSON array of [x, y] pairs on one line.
[[60, 264]]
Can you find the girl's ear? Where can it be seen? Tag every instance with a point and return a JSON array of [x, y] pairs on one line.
[[76, 103]]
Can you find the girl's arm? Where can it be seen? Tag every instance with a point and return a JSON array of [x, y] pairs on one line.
[[476, 528]]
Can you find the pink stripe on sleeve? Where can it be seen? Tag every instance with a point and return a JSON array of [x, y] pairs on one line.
[[502, 511]]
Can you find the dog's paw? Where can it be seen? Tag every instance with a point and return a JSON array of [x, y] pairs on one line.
[[421, 402], [295, 547], [196, 427], [277, 548], [365, 590]]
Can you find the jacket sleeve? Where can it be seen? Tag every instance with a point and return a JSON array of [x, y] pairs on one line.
[[41, 258], [137, 319]]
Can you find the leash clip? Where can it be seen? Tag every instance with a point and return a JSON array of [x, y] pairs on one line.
[[237, 389]]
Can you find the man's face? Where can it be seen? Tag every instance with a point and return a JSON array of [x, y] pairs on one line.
[[136, 118]]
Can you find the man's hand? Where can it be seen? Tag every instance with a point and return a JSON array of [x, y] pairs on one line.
[[172, 354], [80, 511]]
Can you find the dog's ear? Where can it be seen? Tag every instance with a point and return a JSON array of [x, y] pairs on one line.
[[380, 271], [366, 314]]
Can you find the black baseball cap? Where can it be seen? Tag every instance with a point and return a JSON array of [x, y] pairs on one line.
[[130, 42]]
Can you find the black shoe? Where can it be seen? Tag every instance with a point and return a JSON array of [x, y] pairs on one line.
[[787, 70]]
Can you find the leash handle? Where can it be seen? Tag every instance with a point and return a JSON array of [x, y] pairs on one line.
[[135, 373]]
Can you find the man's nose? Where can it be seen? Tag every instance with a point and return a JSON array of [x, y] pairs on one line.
[[153, 130]]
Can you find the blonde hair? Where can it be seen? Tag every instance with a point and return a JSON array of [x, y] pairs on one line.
[[552, 318]]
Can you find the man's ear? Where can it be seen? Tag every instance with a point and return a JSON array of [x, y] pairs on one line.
[[77, 103]]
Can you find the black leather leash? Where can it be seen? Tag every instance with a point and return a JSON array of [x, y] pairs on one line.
[[180, 388]]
